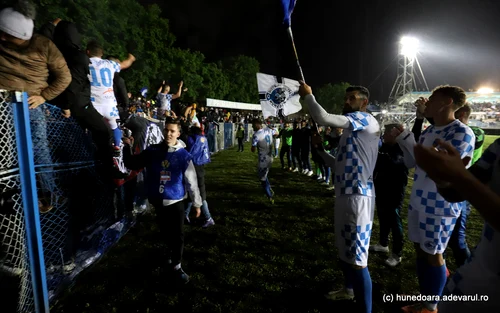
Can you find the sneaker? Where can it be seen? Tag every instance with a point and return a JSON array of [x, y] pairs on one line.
[[393, 260], [295, 170], [309, 173], [180, 276], [319, 178], [330, 188], [342, 294], [208, 223], [304, 172], [379, 248], [290, 169], [325, 184], [417, 308]]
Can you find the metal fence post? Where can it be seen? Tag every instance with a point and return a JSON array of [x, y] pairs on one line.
[[30, 201]]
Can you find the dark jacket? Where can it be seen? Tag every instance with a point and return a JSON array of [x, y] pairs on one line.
[[390, 175], [121, 93], [139, 127], [305, 140], [296, 137], [68, 40]]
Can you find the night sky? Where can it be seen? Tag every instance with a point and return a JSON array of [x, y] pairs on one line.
[[352, 41]]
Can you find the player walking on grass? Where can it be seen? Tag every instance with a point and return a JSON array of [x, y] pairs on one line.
[[431, 219], [355, 193], [262, 141]]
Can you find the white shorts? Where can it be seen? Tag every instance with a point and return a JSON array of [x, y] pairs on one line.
[[110, 114], [264, 167], [353, 216], [431, 231], [263, 171], [471, 280]]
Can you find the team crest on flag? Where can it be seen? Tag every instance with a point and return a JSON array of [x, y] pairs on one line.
[[279, 97]]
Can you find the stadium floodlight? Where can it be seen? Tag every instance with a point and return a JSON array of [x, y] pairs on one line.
[[409, 47], [384, 111], [484, 90]]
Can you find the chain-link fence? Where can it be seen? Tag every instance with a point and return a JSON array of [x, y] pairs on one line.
[[81, 214], [76, 214]]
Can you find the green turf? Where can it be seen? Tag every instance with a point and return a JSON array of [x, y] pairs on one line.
[[258, 257]]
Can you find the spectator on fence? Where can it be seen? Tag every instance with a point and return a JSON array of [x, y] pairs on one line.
[[165, 98], [77, 96], [26, 61], [121, 94], [102, 93], [171, 175], [197, 146]]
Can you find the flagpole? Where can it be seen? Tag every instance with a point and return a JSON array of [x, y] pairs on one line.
[[290, 34]]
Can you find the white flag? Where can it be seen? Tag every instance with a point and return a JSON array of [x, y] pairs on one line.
[[278, 96]]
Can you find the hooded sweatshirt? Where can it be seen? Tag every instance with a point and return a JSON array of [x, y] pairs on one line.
[[171, 173], [68, 40]]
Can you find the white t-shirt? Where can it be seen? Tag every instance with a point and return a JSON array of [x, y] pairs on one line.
[[263, 140], [101, 77], [357, 156], [424, 195]]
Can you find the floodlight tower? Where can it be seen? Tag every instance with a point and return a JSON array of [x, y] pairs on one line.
[[405, 82]]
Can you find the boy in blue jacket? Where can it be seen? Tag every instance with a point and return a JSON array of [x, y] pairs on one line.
[[197, 146], [171, 175]]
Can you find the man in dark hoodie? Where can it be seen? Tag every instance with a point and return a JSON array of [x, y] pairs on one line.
[[121, 93], [390, 179], [76, 97]]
